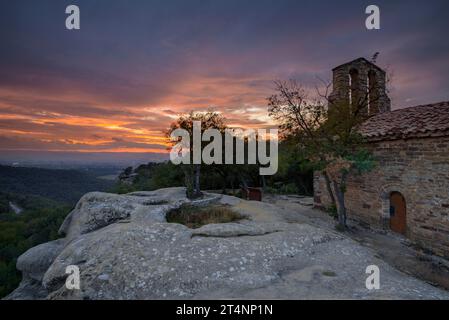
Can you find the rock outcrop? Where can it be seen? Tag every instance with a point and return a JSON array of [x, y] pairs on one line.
[[125, 249], [36, 261]]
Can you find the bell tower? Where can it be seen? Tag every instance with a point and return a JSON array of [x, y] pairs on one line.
[[360, 84]]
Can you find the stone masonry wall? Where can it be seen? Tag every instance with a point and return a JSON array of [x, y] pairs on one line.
[[417, 168], [365, 71]]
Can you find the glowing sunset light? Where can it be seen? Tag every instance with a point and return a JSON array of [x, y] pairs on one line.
[[116, 150], [59, 92]]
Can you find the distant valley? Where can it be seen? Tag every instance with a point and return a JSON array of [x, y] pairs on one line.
[[64, 186], [33, 204]]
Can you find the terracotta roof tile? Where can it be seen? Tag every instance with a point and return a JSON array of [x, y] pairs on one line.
[[419, 121]]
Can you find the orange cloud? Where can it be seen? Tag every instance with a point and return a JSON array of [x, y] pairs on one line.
[[64, 122]]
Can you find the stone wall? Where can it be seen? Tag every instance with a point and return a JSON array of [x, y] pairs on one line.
[[417, 168]]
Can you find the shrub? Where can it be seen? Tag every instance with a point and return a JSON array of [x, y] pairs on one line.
[[332, 211], [195, 217]]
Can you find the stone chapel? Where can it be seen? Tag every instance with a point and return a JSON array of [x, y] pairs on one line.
[[408, 190]]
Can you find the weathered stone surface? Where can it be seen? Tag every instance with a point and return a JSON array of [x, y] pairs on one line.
[[259, 257], [35, 262], [96, 210], [29, 289], [229, 200], [238, 229], [164, 261]]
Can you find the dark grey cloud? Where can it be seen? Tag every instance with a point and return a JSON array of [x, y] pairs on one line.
[[140, 51], [131, 58]]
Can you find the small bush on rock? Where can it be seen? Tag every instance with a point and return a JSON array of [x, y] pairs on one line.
[[195, 217]]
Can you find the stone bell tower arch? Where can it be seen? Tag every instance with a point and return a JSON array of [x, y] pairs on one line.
[[360, 83]]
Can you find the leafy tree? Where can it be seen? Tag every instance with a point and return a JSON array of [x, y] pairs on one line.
[[295, 172], [209, 120], [37, 223]]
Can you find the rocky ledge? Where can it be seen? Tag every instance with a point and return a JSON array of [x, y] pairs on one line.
[[125, 249]]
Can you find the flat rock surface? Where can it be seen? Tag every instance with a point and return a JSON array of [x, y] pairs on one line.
[[268, 255]]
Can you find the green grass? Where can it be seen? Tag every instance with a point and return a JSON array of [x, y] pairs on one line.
[[195, 217], [328, 273]]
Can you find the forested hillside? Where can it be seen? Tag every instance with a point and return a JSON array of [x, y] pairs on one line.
[[37, 223], [60, 185], [44, 197]]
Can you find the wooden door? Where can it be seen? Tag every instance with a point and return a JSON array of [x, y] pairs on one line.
[[398, 213]]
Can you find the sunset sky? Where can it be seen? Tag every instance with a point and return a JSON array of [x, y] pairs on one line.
[[116, 84]]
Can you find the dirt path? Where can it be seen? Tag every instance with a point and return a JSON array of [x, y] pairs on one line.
[[17, 210]]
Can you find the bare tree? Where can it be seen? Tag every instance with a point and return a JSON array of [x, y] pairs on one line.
[[326, 132]]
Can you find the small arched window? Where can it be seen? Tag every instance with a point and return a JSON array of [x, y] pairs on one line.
[[353, 86]]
